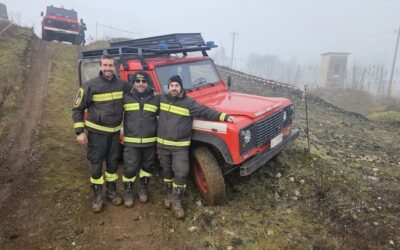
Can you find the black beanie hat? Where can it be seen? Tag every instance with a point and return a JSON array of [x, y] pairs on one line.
[[175, 78]]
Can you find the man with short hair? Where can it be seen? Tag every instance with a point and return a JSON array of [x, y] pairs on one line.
[[102, 97], [173, 139], [141, 108]]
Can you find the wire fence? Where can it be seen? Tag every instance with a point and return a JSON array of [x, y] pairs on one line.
[[107, 32]]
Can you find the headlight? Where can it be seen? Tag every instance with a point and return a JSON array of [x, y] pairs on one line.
[[246, 134], [48, 21], [247, 140], [284, 115]]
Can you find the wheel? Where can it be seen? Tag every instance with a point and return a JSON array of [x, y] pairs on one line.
[[208, 176], [76, 40], [45, 36]]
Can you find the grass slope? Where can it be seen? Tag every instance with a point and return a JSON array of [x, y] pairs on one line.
[[15, 46]]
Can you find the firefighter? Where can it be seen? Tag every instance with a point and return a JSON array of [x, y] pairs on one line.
[[141, 107], [102, 96], [173, 139], [82, 32]]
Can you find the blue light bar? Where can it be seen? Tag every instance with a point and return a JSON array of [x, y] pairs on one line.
[[210, 44], [162, 46]]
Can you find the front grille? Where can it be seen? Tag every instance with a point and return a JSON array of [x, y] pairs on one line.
[[268, 128], [63, 25]]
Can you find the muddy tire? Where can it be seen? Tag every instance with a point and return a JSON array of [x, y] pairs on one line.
[[45, 35], [76, 40], [208, 176]]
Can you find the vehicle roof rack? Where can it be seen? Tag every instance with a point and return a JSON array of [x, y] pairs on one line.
[[173, 41], [152, 47]]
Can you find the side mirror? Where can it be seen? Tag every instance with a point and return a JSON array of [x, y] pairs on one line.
[[229, 82], [41, 13]]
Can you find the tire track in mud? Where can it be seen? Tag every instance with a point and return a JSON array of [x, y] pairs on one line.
[[19, 148]]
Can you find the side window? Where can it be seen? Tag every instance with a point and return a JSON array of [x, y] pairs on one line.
[[88, 69]]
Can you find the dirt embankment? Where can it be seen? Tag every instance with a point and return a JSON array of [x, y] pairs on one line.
[[19, 142], [342, 195]]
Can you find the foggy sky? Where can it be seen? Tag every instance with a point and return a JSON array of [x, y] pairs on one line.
[[290, 29]]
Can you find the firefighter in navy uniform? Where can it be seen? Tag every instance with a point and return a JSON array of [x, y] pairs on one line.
[[141, 107], [173, 139], [82, 32], [102, 96]]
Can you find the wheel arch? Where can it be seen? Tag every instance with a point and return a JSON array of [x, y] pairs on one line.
[[215, 141]]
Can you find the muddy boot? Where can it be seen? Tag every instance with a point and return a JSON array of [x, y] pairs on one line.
[[128, 194], [112, 193], [143, 187], [97, 204], [177, 199], [168, 191]]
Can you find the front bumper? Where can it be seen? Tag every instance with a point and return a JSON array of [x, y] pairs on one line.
[[61, 31], [260, 159]]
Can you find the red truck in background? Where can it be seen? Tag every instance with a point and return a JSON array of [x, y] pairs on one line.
[[263, 125], [62, 25]]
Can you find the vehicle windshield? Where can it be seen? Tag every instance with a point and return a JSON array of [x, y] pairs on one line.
[[193, 74], [61, 12]]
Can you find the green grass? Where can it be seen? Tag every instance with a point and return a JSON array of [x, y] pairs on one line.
[[64, 166], [15, 46], [389, 117], [57, 138]]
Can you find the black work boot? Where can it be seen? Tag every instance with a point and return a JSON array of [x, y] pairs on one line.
[[177, 200], [97, 204], [143, 187], [112, 193], [168, 191], [128, 194]]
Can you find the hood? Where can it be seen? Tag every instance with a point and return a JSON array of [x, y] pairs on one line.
[[243, 104]]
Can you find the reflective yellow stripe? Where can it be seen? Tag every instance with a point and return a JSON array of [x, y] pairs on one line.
[[99, 181], [107, 96], [111, 177], [79, 125], [125, 179], [143, 173], [150, 107], [140, 140], [174, 109], [149, 139], [174, 185], [131, 106], [222, 117], [173, 143], [102, 128], [164, 105], [132, 139], [167, 180]]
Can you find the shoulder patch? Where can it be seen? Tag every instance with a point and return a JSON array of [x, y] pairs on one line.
[[78, 98]]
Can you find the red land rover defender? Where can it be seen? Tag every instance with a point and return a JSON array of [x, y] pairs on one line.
[[62, 25], [263, 125]]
